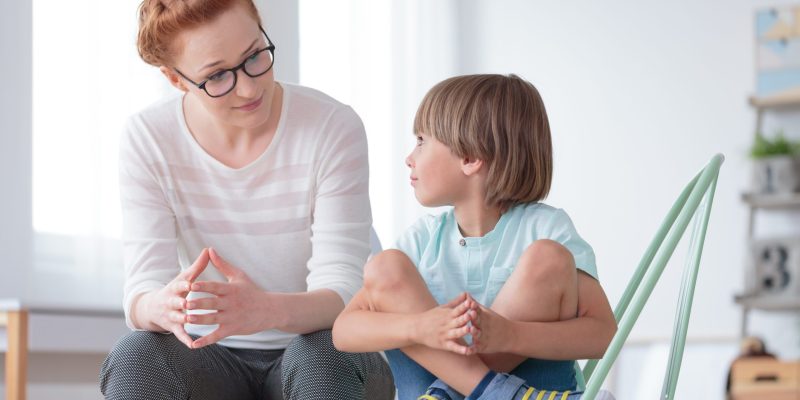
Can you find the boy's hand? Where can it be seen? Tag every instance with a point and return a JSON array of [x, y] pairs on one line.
[[489, 329], [443, 327]]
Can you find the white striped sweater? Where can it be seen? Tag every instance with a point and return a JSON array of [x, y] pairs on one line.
[[296, 219]]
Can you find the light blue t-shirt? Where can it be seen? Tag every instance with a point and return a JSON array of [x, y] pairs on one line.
[[451, 264]]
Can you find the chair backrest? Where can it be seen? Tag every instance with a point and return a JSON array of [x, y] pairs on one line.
[[694, 202]]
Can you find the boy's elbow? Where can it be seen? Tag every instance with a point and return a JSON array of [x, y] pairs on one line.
[[606, 336]]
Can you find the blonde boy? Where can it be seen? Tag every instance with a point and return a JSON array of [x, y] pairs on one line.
[[499, 283]]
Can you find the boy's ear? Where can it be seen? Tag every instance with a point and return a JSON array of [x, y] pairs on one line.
[[173, 78], [471, 166]]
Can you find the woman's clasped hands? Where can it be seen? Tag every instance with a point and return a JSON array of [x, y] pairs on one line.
[[237, 305]]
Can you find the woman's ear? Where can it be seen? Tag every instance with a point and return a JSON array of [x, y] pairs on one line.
[[173, 78], [471, 166]]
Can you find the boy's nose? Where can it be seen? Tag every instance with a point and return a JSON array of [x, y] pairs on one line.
[[408, 161]]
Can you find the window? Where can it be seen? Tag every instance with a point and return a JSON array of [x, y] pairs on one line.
[[87, 78], [345, 52]]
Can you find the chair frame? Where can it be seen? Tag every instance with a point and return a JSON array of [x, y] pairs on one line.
[[693, 203]]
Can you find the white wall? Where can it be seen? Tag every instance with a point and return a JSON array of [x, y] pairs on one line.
[[15, 144], [280, 22], [640, 95]]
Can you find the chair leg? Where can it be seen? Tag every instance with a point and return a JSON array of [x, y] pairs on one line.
[[16, 354]]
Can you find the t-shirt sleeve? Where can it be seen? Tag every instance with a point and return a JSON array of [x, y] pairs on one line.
[[561, 229], [412, 241]]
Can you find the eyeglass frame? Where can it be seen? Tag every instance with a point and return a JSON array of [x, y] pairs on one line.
[[234, 70]]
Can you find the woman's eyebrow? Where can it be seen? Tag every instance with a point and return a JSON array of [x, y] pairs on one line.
[[218, 62]]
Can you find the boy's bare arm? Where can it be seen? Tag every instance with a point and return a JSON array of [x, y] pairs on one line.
[[358, 329], [361, 328], [584, 337]]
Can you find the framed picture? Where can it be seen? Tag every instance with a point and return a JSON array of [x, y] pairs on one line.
[[778, 51], [775, 266]]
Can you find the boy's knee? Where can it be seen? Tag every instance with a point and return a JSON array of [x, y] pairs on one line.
[[547, 259], [387, 270]]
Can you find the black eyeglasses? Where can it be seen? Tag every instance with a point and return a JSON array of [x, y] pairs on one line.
[[222, 82]]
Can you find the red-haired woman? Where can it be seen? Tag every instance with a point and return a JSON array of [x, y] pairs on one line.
[[246, 222]]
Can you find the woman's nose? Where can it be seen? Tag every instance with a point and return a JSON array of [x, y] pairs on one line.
[[245, 86]]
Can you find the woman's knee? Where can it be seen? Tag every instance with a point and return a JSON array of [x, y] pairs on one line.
[[141, 345], [312, 367], [138, 358], [315, 347], [311, 359], [387, 271]]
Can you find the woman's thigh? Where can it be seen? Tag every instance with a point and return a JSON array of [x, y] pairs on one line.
[[148, 365], [312, 368]]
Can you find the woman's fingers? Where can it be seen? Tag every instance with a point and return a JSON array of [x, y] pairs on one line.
[[177, 303], [184, 337], [177, 317], [211, 338], [205, 303], [191, 273], [227, 269], [213, 287], [204, 319], [179, 286]]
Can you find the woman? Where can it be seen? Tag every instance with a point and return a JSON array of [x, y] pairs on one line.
[[246, 222]]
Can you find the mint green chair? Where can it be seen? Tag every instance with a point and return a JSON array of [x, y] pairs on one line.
[[694, 202]]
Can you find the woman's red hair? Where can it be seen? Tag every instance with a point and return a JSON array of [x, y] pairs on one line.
[[161, 21]]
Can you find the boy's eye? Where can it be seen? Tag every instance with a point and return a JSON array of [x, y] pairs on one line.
[[419, 140]]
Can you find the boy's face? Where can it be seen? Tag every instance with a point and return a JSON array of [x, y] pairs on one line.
[[436, 173]]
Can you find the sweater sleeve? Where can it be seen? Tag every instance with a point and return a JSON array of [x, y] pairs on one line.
[[149, 238], [341, 214]]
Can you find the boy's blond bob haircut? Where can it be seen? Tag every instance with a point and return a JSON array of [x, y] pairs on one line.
[[500, 120]]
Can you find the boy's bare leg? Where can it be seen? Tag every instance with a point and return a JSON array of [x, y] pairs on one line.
[[394, 285], [543, 287]]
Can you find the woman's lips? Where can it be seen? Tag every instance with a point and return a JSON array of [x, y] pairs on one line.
[[252, 106]]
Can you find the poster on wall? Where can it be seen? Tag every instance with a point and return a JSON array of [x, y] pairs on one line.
[[778, 52]]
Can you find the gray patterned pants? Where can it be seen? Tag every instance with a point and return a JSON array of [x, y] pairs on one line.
[[147, 365]]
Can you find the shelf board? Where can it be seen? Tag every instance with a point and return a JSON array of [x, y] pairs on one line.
[[772, 201], [769, 302], [787, 98]]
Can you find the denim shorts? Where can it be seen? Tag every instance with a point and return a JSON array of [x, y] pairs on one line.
[[412, 380]]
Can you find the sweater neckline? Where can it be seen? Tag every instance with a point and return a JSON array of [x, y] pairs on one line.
[[211, 160]]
